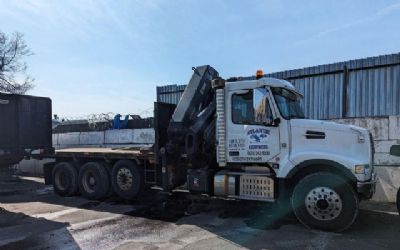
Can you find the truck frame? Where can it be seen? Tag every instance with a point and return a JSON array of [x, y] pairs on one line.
[[240, 139]]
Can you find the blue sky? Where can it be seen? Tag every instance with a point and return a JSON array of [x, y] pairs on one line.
[[103, 56]]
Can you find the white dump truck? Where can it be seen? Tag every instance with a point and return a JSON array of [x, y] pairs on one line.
[[237, 139]]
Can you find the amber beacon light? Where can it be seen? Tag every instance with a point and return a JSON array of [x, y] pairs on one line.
[[259, 74]]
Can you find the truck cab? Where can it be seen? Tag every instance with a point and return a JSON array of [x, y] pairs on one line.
[[265, 123], [272, 151]]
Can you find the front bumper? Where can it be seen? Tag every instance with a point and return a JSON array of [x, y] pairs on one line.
[[367, 189]]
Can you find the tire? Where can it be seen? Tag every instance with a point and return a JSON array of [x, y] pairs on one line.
[[94, 181], [127, 179], [326, 202], [398, 201], [65, 179], [110, 189]]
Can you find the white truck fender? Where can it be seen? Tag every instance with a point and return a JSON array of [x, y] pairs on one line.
[[288, 166]]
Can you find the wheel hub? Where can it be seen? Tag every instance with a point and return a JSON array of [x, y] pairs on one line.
[[323, 203], [124, 179], [89, 182], [92, 181]]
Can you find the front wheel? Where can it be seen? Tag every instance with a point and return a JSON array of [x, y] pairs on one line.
[[325, 201]]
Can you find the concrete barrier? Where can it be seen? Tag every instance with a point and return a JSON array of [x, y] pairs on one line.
[[119, 136], [394, 128], [109, 138], [91, 138], [68, 139], [385, 132], [145, 136]]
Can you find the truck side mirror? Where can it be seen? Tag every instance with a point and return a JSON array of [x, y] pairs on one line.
[[395, 150], [276, 122], [272, 123]]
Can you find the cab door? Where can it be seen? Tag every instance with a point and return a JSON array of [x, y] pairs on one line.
[[251, 133]]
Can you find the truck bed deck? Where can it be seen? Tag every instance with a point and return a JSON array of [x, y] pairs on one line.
[[108, 153]]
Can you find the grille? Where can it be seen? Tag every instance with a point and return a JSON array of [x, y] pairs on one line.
[[256, 187]]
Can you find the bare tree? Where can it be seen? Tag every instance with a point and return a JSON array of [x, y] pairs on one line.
[[13, 76]]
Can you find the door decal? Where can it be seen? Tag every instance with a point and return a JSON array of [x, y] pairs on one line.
[[258, 139]]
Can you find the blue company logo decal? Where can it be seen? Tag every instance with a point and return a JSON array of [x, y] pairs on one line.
[[258, 135]]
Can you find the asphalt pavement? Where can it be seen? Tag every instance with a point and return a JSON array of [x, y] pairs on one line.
[[32, 217]]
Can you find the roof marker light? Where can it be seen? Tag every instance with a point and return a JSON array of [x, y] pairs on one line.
[[259, 74]]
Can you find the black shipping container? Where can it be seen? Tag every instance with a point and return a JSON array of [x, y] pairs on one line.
[[25, 125]]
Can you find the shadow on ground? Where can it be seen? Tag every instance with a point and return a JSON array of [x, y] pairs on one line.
[[155, 206], [253, 225], [20, 231]]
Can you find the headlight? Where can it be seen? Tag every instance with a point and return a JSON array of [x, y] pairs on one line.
[[361, 169]]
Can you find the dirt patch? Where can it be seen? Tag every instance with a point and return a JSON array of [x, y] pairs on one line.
[[256, 215]]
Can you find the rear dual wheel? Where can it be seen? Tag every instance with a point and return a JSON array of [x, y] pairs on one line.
[[65, 179], [127, 179], [94, 181]]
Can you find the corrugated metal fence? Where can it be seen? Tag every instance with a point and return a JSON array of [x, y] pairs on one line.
[[356, 88], [170, 93]]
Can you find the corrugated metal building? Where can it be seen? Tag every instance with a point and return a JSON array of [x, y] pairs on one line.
[[367, 87], [364, 92], [170, 93]]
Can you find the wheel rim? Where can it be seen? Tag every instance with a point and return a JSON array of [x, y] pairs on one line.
[[89, 182], [323, 203], [124, 179]]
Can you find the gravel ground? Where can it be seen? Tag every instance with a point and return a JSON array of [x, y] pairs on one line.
[[32, 217]]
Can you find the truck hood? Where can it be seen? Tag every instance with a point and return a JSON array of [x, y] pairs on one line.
[[322, 126], [345, 144]]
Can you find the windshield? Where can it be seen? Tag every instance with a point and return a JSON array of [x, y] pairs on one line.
[[288, 103]]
